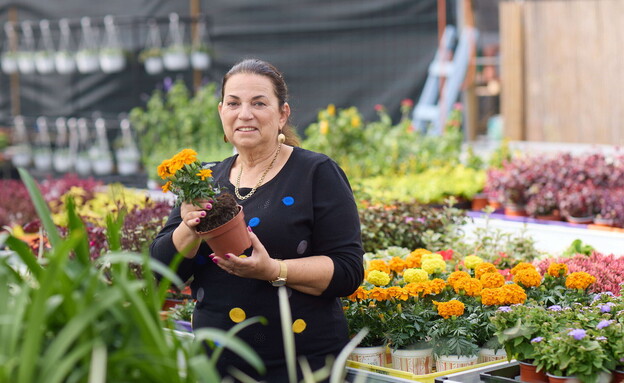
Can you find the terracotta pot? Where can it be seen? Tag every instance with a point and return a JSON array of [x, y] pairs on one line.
[[495, 204], [231, 237], [451, 362], [417, 362], [617, 376], [374, 356], [551, 217], [581, 220], [529, 374], [562, 379], [479, 201], [514, 210], [604, 221]]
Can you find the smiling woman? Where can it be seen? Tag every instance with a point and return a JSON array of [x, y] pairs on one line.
[[303, 225]]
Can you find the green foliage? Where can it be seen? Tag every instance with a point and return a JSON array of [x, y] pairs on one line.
[[403, 224], [578, 247], [177, 120], [408, 324], [367, 314], [183, 311], [454, 336]]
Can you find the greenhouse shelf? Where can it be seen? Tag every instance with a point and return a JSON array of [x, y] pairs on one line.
[[551, 236]]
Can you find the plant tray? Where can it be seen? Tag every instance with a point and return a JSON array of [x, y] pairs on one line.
[[507, 374], [427, 378]]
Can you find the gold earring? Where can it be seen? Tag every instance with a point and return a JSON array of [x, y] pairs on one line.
[[281, 137], [225, 138]]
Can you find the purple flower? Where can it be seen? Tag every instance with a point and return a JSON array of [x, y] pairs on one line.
[[555, 308], [505, 309], [537, 340], [409, 219], [603, 324], [577, 333], [167, 83], [421, 220], [601, 338], [605, 308]]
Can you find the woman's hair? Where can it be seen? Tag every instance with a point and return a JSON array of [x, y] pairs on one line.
[[263, 68]]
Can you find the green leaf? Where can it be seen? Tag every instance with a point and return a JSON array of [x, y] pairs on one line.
[[43, 211]]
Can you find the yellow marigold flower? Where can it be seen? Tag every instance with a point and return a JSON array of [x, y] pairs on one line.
[[398, 293], [455, 277], [522, 266], [434, 266], [420, 251], [579, 280], [450, 308], [557, 269], [359, 294], [237, 315], [482, 268], [469, 286], [331, 109], [324, 127], [378, 294], [472, 261], [380, 265], [492, 280], [298, 326], [166, 187], [204, 173], [415, 275], [378, 278], [164, 170], [356, 121], [397, 264], [513, 294], [528, 277], [431, 256], [492, 297]]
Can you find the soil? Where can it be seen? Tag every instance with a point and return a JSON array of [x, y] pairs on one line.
[[223, 209]]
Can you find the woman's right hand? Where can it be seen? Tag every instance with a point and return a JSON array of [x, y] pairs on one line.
[[191, 213]]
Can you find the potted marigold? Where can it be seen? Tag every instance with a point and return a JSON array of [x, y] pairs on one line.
[[223, 226]]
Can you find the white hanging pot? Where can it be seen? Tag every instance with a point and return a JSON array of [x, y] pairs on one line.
[[64, 63], [176, 61], [87, 62], [43, 160], [9, 64], [111, 63], [44, 63], [26, 63], [200, 60], [153, 65]]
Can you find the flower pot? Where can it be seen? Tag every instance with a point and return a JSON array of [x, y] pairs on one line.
[[417, 362], [153, 65], [176, 61], [374, 356], [451, 362], [479, 201], [200, 60], [112, 63], [44, 64], [529, 374], [9, 64], [231, 237], [490, 354], [494, 204], [515, 210], [64, 63], [562, 379], [581, 220], [607, 222], [87, 63], [26, 64], [556, 216], [617, 376]]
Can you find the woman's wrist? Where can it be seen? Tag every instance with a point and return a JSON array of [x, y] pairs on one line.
[[183, 237]]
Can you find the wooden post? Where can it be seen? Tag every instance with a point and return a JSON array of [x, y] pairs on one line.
[[14, 79], [195, 12], [471, 104], [511, 23]]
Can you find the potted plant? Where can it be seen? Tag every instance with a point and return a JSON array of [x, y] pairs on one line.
[[87, 60], [176, 58], [578, 203], [152, 60], [542, 203], [609, 205], [26, 62], [223, 227], [200, 57], [112, 59]]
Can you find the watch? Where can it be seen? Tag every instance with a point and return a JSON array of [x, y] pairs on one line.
[[281, 278]]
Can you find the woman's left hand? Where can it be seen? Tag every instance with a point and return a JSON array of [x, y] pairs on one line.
[[259, 265]]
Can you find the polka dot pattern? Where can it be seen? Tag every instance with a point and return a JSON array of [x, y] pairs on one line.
[[237, 315], [299, 326], [302, 247], [255, 221], [200, 294], [288, 201]]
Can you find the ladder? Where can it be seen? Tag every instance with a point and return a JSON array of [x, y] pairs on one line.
[[437, 97]]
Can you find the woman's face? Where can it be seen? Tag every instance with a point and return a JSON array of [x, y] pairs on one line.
[[250, 111]]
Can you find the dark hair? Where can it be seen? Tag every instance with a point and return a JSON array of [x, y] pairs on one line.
[[263, 68]]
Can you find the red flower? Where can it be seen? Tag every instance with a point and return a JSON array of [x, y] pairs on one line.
[[379, 108], [447, 255], [407, 102]]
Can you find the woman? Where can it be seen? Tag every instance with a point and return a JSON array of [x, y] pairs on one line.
[[303, 225]]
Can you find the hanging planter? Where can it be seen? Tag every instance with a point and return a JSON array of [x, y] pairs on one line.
[[200, 52], [112, 57], [44, 57], [9, 62], [87, 61], [26, 62], [175, 55], [152, 60], [200, 60], [64, 62]]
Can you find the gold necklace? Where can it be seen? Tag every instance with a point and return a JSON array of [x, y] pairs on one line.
[[253, 190]]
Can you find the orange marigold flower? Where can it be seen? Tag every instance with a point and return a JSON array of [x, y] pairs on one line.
[[397, 264], [482, 268], [413, 261], [469, 286], [164, 169], [184, 157], [455, 277], [522, 266], [359, 294], [435, 286], [166, 187], [492, 280], [450, 308], [378, 264], [378, 294], [528, 277], [416, 289], [204, 173], [579, 280], [513, 294], [398, 293], [557, 269], [492, 297]]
